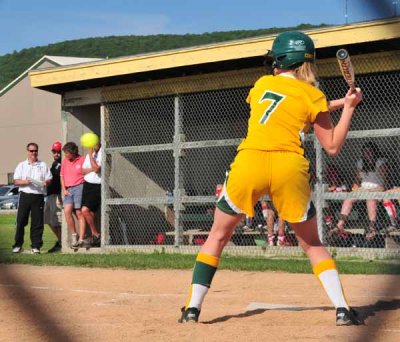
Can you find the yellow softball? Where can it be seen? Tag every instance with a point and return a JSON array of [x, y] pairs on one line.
[[89, 140]]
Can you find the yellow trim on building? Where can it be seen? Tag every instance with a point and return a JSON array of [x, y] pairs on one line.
[[332, 36], [382, 62]]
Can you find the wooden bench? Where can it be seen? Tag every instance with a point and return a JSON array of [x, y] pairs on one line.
[[190, 218], [188, 235]]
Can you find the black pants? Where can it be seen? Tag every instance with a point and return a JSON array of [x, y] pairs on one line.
[[30, 204]]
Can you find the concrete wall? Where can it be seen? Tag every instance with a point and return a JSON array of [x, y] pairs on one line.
[[79, 120], [27, 115]]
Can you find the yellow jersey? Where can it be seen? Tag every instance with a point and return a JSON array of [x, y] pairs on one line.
[[282, 110]]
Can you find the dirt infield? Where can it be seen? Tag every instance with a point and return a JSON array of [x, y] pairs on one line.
[[81, 304]]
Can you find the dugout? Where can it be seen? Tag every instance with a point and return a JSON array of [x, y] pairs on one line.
[[171, 122]]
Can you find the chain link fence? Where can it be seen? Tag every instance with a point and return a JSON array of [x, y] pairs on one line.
[[168, 144]]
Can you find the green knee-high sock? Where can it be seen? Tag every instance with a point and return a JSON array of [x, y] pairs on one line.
[[203, 273]]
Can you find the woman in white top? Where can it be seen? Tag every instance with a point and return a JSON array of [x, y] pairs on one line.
[[371, 175]]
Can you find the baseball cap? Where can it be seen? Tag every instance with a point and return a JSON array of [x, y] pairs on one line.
[[56, 146]]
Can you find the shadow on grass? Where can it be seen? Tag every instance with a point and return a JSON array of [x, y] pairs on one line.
[[33, 311]]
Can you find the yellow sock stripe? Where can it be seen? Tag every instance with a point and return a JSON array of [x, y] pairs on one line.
[[328, 264], [208, 259], [190, 297]]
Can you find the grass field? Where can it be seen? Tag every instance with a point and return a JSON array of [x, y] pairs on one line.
[[157, 260]]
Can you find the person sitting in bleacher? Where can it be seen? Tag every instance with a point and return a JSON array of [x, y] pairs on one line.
[[391, 211], [371, 176]]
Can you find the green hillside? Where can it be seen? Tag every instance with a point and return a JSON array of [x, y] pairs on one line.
[[13, 64]]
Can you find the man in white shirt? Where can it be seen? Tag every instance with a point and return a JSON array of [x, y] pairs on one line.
[[91, 195], [31, 176]]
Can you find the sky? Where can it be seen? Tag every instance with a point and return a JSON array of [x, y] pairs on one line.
[[28, 23]]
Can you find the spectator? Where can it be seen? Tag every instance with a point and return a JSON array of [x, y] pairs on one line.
[[52, 207], [32, 176], [91, 195], [391, 211], [71, 178], [335, 182], [269, 217], [335, 179], [371, 175]]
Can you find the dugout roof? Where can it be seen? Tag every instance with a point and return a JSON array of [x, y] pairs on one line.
[[359, 38]]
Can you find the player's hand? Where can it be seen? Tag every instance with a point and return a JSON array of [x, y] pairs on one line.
[[90, 150], [353, 97]]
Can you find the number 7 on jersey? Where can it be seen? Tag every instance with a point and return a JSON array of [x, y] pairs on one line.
[[275, 99]]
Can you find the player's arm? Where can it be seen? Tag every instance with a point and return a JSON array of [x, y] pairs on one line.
[[336, 104], [333, 137]]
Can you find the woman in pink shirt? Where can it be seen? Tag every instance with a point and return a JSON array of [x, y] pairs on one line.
[[71, 177]]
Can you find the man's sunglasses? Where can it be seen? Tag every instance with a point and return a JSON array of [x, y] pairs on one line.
[[33, 151]]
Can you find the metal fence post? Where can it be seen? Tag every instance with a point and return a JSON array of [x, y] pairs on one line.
[[177, 153]]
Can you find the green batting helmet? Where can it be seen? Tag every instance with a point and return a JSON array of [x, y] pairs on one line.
[[291, 49]]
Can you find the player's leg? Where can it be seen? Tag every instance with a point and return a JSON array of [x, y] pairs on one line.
[[324, 268], [291, 196], [207, 262], [240, 193]]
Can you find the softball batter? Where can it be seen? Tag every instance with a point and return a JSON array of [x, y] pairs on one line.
[[283, 108]]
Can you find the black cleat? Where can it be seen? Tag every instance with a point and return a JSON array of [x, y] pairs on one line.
[[189, 315], [347, 317]]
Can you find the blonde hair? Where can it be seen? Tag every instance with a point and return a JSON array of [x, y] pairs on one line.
[[307, 72]]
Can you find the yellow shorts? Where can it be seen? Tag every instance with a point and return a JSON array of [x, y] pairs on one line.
[[283, 176]]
